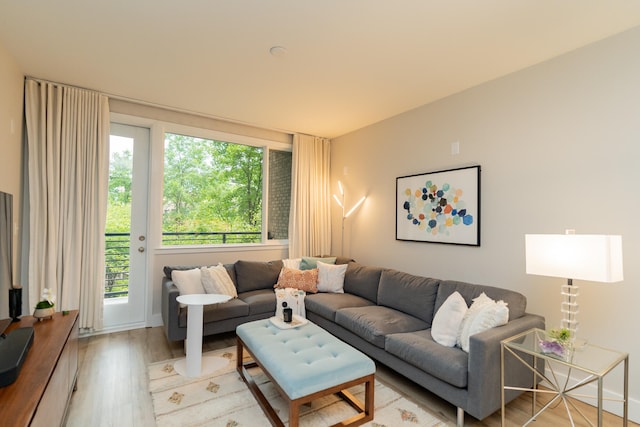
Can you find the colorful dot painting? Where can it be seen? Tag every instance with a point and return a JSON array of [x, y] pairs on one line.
[[436, 209]]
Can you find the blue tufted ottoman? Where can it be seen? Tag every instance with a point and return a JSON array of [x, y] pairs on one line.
[[304, 364]]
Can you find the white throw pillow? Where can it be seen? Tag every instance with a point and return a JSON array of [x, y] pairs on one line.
[[331, 277], [448, 318], [188, 281], [483, 314], [292, 263], [216, 280]]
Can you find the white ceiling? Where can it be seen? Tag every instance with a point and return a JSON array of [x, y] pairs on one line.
[[348, 63]]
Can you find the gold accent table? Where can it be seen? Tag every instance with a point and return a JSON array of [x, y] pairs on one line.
[[593, 361]]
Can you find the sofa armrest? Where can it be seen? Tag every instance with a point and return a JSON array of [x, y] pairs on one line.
[[484, 365], [171, 310]]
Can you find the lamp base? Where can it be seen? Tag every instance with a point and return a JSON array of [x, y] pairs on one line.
[[570, 308]]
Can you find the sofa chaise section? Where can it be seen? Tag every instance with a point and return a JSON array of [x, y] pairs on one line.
[[396, 331]]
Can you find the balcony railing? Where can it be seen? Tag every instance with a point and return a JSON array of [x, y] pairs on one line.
[[117, 253]]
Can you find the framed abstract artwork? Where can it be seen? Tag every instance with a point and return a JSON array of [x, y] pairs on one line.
[[439, 207]]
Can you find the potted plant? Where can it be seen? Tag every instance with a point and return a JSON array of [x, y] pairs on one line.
[[44, 308]]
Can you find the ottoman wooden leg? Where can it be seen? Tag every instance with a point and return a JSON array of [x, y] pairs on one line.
[[294, 414]]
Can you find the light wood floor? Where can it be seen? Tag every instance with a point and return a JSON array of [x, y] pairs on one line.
[[113, 390]]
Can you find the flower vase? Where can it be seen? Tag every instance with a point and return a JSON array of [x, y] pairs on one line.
[[43, 313]]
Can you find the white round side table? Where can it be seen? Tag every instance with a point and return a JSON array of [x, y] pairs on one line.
[[194, 365]]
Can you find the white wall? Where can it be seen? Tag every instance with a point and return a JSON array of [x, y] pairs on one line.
[[11, 88], [559, 146]]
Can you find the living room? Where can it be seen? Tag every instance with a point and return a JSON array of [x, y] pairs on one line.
[[556, 140]]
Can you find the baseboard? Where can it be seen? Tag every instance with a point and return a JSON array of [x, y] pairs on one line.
[[113, 329], [155, 320], [611, 400]]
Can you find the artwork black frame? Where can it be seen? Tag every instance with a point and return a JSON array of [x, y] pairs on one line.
[[439, 207]]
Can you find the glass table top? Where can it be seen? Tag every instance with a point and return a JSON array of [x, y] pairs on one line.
[[587, 357]]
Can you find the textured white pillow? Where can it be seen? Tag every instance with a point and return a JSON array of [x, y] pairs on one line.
[[331, 277], [216, 280], [448, 318], [188, 281], [292, 263], [483, 314]]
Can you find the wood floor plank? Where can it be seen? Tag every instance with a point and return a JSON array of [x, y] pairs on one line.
[[113, 389]]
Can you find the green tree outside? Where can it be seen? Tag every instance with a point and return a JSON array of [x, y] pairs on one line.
[[211, 186]]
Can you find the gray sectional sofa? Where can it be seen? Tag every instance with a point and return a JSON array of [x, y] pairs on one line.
[[387, 314]]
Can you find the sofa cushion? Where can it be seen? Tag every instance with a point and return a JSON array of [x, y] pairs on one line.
[[362, 280], [305, 280], [374, 322], [327, 304], [343, 260], [311, 262], [231, 269], [331, 277], [516, 302], [188, 281], [168, 270], [259, 301], [483, 314], [215, 312], [292, 263], [410, 294], [446, 323], [216, 280], [252, 275], [449, 364]]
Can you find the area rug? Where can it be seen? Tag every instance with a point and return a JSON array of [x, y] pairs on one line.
[[223, 399]]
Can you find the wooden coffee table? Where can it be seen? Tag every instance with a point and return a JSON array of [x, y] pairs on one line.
[[304, 364]]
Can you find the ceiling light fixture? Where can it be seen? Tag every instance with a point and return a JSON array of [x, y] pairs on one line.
[[278, 51]]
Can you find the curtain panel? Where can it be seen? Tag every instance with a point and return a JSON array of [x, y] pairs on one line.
[[68, 153], [310, 215]]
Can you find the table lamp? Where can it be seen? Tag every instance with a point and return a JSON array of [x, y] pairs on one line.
[[596, 258]]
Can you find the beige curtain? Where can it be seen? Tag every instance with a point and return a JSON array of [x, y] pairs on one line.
[[68, 155], [310, 216]]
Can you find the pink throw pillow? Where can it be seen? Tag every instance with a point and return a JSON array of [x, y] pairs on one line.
[[305, 280]]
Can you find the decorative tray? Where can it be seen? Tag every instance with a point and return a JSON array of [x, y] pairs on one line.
[[295, 322]]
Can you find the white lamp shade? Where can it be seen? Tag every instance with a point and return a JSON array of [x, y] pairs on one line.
[[596, 258]]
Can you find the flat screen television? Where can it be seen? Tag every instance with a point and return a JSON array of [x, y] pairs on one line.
[[6, 251], [15, 345]]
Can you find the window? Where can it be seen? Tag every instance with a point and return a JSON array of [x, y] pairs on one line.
[[215, 192]]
